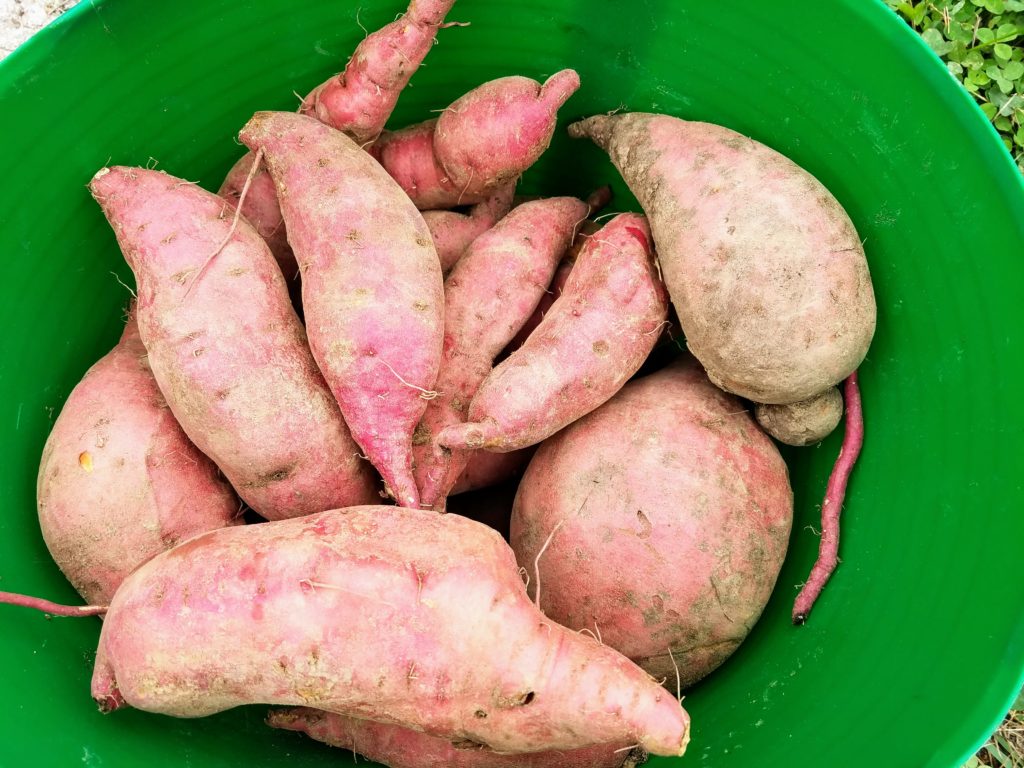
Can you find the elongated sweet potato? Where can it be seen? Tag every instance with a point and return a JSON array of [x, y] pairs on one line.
[[672, 481], [452, 232], [358, 102], [484, 140], [764, 267], [118, 481], [489, 295], [227, 349], [261, 209], [594, 337], [458, 649], [371, 284], [399, 747]]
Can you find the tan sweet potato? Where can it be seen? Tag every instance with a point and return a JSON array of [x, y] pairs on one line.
[[804, 422], [764, 267]]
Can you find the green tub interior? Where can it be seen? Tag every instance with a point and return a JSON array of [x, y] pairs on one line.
[[917, 648]]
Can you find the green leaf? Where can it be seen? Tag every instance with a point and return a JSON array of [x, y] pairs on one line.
[[993, 71], [1002, 51], [1015, 5], [1003, 124], [978, 78], [1004, 85], [989, 110], [974, 60], [1013, 70], [1007, 32], [938, 43], [995, 6], [985, 35], [1018, 139], [955, 70]]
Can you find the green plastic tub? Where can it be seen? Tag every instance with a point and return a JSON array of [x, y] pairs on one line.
[[917, 647]]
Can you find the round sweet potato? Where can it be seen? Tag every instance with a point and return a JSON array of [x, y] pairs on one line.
[[666, 515]]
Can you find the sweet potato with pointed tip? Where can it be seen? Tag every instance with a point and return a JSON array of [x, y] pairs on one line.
[[358, 102], [398, 747], [673, 482], [489, 295], [484, 140], [764, 267], [261, 209], [452, 232], [458, 650], [594, 337], [227, 349], [118, 481], [371, 284]]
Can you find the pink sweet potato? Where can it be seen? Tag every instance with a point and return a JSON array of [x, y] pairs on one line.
[[484, 469], [590, 342], [379, 612], [763, 265], [452, 232], [672, 482], [371, 284], [358, 102], [227, 349], [551, 295], [484, 140], [118, 481], [399, 747], [261, 209], [491, 292]]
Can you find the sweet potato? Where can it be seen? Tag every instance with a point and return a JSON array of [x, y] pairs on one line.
[[484, 140], [261, 209], [491, 292], [371, 284], [551, 295], [672, 481], [804, 422], [118, 480], [358, 102], [484, 469], [399, 747], [590, 342], [452, 232], [763, 265], [227, 349], [281, 614]]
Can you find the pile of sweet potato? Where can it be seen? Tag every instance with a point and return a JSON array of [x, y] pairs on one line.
[[451, 335]]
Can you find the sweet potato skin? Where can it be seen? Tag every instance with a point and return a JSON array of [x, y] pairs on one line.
[[804, 422], [399, 747], [591, 341], [453, 232], [119, 482], [492, 291], [670, 495], [359, 100], [483, 141], [227, 349], [484, 469], [459, 651], [763, 265], [371, 284], [261, 209]]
